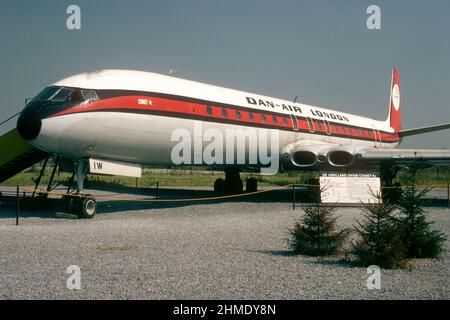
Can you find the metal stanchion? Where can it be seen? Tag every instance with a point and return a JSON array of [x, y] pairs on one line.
[[293, 196], [448, 194], [18, 206], [157, 190]]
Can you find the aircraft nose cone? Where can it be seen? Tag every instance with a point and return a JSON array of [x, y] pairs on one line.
[[29, 124]]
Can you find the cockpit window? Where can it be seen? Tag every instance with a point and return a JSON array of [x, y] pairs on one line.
[[45, 94], [89, 95], [61, 95], [76, 96]]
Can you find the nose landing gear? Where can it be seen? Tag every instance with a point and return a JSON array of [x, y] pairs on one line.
[[83, 205]]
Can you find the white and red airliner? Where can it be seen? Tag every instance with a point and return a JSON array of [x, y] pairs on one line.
[[127, 119]]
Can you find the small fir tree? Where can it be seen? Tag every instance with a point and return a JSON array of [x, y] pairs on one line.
[[315, 234], [416, 233], [379, 240]]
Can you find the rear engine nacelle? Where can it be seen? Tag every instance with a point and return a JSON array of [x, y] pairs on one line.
[[309, 156], [342, 156]]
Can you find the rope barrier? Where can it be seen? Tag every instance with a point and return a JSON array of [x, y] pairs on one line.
[[113, 197], [160, 200]]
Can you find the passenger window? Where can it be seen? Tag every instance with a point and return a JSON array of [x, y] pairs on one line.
[[274, 119], [263, 118], [285, 121], [209, 110], [238, 114], [224, 112], [251, 116]]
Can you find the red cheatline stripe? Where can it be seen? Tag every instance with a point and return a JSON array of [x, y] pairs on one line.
[[215, 113]]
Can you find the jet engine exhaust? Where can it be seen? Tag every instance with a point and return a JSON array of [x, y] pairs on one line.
[[304, 158], [340, 158]]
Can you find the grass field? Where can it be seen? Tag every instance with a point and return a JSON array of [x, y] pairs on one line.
[[173, 178], [429, 177]]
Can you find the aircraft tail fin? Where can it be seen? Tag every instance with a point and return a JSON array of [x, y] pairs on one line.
[[395, 112]]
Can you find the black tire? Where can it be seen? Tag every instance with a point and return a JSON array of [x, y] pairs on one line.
[[219, 185], [234, 187], [87, 207], [68, 203], [238, 186], [251, 185]]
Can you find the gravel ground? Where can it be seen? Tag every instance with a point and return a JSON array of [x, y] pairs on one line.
[[233, 250]]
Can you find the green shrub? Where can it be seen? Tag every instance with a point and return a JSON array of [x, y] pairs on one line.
[[315, 234], [379, 240], [415, 231]]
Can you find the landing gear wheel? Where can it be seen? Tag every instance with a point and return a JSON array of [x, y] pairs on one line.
[[87, 207], [234, 186], [251, 185], [68, 203], [219, 186]]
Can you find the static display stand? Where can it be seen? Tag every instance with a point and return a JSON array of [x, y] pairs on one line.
[[349, 187]]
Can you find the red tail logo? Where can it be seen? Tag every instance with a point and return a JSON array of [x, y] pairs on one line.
[[395, 112]]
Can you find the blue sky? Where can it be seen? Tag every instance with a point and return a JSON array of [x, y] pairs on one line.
[[320, 51]]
